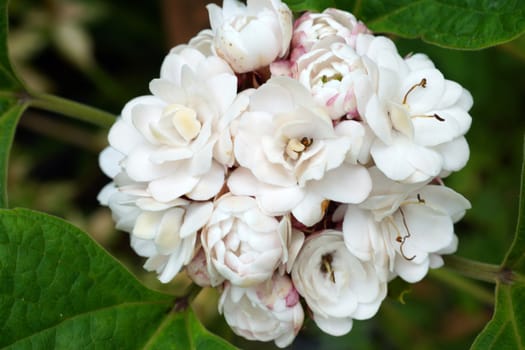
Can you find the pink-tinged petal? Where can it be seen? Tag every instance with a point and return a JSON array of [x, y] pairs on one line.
[[348, 183], [209, 184], [333, 326], [109, 161], [310, 210], [173, 186]]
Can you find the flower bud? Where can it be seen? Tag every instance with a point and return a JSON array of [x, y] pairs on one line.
[[251, 36], [265, 312], [242, 244]]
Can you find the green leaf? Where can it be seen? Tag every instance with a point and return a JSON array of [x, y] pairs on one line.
[[506, 330], [461, 24], [10, 107], [60, 290], [8, 79], [10, 112], [194, 337]]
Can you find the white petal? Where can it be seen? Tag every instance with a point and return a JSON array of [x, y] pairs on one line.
[[346, 184], [109, 161], [333, 326], [197, 214], [242, 182], [208, 185], [172, 187], [146, 225], [455, 154], [310, 210]]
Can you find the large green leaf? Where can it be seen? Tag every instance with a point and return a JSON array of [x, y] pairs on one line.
[[60, 290], [506, 330], [463, 24]]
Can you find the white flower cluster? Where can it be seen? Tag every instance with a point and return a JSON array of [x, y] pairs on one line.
[[280, 160]]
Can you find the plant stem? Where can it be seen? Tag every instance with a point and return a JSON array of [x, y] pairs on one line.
[[448, 277], [474, 269], [72, 109], [183, 302]]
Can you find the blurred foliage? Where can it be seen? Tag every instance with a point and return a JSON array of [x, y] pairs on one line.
[[109, 53]]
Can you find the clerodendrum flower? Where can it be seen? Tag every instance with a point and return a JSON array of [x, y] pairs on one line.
[[173, 140], [418, 117], [337, 286], [291, 156], [404, 230]]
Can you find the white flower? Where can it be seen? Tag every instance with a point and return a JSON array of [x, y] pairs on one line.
[[251, 36], [178, 142], [314, 30], [265, 312], [165, 232], [405, 232], [336, 285], [419, 118], [202, 42], [329, 73], [291, 156], [242, 244]]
